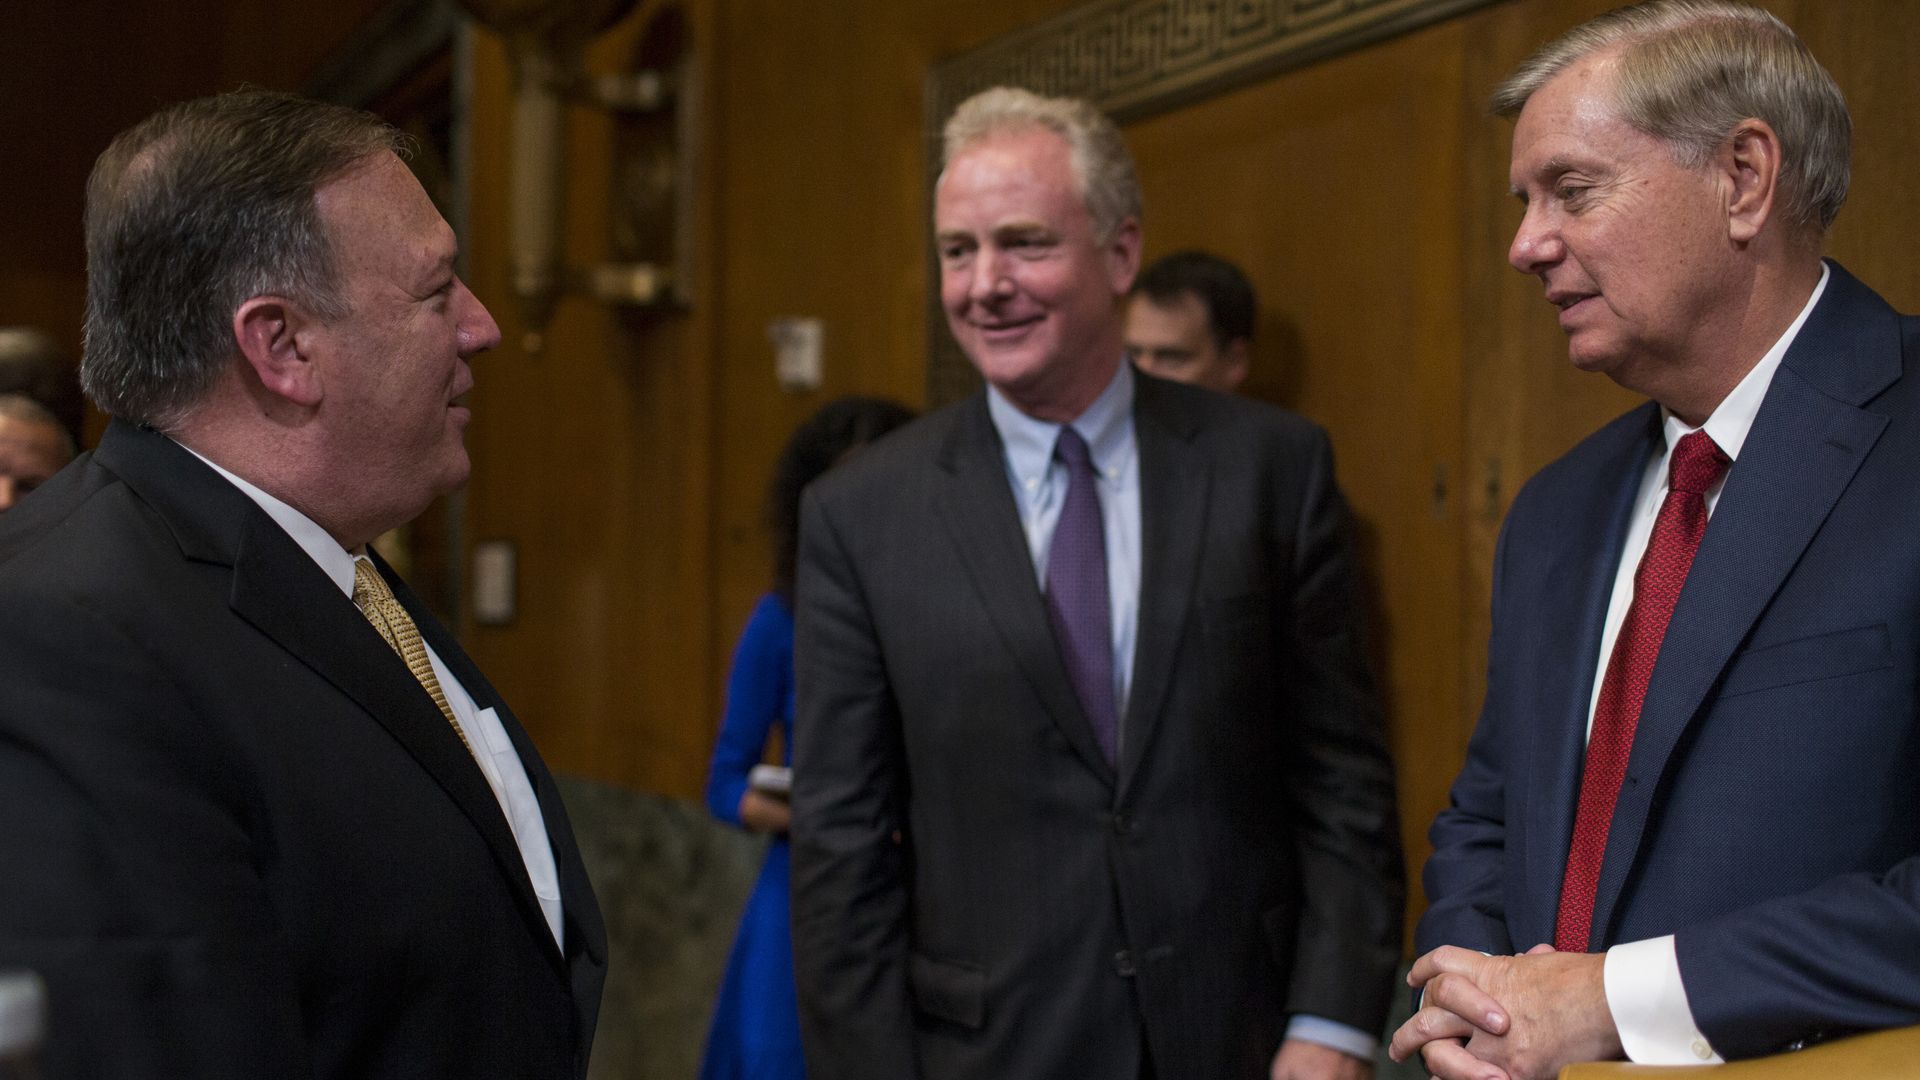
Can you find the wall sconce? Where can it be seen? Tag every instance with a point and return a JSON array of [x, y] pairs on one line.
[[546, 42]]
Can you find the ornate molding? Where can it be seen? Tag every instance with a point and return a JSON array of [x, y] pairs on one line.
[[1137, 58]]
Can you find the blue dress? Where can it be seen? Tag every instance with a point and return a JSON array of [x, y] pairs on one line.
[[756, 1019]]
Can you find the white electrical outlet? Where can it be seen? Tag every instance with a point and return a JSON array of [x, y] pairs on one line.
[[797, 360], [493, 582]]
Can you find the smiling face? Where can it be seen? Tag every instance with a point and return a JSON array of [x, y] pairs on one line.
[[1631, 246], [395, 364], [1031, 293]]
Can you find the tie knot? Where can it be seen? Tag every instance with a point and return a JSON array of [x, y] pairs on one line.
[[1697, 464], [368, 586], [1072, 449]]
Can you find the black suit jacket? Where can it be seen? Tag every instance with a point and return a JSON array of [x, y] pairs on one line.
[[241, 841], [1044, 914], [1768, 818]]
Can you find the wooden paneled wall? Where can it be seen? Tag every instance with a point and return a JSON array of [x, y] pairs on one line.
[[75, 73], [629, 462], [1366, 195]]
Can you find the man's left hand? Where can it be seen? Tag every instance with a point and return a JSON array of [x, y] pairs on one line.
[[1299, 1059], [1546, 1009]]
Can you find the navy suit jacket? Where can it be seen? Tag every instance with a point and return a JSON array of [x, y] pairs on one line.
[[1770, 815], [239, 840]]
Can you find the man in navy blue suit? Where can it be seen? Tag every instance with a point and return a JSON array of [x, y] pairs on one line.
[[1690, 800]]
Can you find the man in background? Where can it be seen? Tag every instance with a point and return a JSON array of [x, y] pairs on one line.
[[1689, 800], [33, 365], [33, 446], [264, 817], [1090, 776], [1191, 320]]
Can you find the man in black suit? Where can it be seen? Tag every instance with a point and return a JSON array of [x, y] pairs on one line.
[[264, 818], [1191, 320], [1090, 777]]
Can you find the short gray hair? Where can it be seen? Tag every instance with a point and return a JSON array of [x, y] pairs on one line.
[[1108, 187], [192, 212], [1691, 70], [24, 409]]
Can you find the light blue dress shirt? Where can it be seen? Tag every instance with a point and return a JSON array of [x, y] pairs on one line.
[[1039, 491]]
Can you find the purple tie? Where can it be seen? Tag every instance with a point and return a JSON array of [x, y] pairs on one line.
[[1078, 604]]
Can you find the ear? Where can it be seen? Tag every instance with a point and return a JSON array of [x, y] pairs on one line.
[[273, 336], [1123, 256], [1234, 361], [1750, 159]]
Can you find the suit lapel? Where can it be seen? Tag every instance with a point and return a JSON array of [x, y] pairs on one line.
[[1806, 444], [975, 503], [1569, 643], [1174, 486], [577, 902], [576, 892], [280, 591]]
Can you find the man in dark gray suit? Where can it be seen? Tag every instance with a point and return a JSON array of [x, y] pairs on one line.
[[1089, 771]]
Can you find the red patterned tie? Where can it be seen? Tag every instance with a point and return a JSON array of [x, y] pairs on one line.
[[1696, 466]]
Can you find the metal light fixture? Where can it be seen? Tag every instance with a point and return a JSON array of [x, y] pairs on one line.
[[546, 42]]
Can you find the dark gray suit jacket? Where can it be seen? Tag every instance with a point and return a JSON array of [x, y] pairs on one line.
[[1041, 913], [240, 841]]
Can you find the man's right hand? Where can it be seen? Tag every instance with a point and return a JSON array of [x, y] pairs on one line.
[[765, 813]]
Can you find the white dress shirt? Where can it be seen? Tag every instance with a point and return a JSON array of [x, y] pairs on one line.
[[1644, 990], [493, 751]]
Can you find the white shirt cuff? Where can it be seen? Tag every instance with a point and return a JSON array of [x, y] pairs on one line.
[[1650, 1008], [1334, 1035]]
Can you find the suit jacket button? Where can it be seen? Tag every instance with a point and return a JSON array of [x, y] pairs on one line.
[[1123, 963], [1121, 824]]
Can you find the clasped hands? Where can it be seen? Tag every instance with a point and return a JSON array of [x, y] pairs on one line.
[[1507, 1017]]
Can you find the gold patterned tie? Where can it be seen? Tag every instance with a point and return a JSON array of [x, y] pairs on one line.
[[376, 602]]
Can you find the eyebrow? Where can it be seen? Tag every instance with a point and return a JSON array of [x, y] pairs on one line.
[[1557, 164], [1553, 166]]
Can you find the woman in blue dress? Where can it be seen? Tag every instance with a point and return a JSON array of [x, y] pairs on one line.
[[756, 1020]]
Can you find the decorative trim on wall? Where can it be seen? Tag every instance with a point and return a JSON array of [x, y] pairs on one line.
[[1138, 58]]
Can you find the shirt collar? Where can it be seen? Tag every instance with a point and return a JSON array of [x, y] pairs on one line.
[[1733, 418], [1107, 425], [319, 545]]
